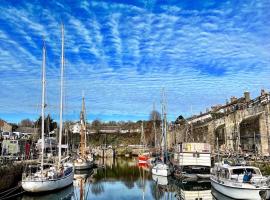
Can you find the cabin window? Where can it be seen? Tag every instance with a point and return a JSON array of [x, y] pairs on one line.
[[243, 170], [238, 171], [253, 171]]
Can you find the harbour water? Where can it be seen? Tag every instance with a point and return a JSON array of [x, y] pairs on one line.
[[123, 178]]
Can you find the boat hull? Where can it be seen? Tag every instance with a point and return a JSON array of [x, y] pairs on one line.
[[161, 170], [36, 186], [204, 176], [239, 193], [83, 165], [143, 157]]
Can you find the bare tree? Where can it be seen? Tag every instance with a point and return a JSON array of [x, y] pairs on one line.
[[155, 116], [27, 123], [96, 125]]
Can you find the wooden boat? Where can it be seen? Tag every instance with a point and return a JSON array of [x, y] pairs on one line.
[[240, 182], [57, 176], [84, 160]]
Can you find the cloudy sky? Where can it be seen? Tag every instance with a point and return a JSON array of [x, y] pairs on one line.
[[122, 53]]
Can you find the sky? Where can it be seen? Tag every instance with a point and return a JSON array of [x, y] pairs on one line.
[[121, 54]]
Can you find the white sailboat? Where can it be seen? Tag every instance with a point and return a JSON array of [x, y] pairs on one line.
[[162, 168], [55, 177], [84, 161]]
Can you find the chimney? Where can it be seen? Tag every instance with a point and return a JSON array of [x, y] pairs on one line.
[[233, 99], [247, 96]]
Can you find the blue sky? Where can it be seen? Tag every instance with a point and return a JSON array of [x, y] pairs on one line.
[[122, 53]]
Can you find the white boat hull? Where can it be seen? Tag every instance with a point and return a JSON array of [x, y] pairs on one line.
[[161, 170], [47, 185], [239, 193]]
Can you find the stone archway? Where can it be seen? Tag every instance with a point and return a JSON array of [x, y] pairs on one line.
[[221, 135], [250, 137]]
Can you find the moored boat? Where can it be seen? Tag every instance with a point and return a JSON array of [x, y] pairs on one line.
[[163, 167], [58, 175], [144, 156], [193, 161], [240, 182], [85, 159]]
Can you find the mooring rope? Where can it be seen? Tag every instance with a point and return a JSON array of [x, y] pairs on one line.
[[11, 189], [14, 195]]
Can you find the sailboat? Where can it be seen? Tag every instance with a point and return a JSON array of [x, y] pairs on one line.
[[58, 176], [84, 161], [161, 168], [143, 156]]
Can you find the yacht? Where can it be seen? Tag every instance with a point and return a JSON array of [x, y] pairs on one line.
[[161, 167], [240, 182], [48, 177]]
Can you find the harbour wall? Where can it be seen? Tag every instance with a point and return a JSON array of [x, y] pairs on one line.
[[240, 125]]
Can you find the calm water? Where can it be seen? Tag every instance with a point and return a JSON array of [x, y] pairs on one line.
[[123, 179]]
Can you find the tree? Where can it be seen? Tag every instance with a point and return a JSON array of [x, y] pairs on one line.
[[96, 125], [155, 115], [26, 123], [14, 126], [49, 124]]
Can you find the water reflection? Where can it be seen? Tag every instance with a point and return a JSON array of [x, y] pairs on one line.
[[64, 194], [125, 179]]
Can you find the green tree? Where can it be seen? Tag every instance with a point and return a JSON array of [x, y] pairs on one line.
[[49, 124]]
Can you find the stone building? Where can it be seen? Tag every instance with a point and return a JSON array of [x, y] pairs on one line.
[[4, 126], [240, 125]]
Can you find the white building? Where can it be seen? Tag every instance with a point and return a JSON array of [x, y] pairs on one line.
[[76, 128]]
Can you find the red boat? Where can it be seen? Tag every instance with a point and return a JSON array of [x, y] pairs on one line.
[[143, 158]]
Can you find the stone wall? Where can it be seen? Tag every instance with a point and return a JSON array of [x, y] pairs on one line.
[[237, 125]]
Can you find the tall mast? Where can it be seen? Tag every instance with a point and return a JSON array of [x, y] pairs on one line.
[[84, 121], [142, 137], [83, 129], [155, 131], [43, 105], [164, 125], [61, 98]]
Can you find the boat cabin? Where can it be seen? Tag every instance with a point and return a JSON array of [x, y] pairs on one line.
[[240, 173], [193, 154]]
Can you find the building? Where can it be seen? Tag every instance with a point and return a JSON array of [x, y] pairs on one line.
[[76, 128], [4, 126], [239, 125]]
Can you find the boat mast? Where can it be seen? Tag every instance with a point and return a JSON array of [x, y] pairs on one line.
[[164, 126], [43, 105], [154, 118], [83, 130], [142, 137], [61, 98]]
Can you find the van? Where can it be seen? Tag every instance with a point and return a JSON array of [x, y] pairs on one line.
[[7, 135]]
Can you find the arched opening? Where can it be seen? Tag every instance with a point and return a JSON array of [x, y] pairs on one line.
[[221, 136], [250, 137]]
